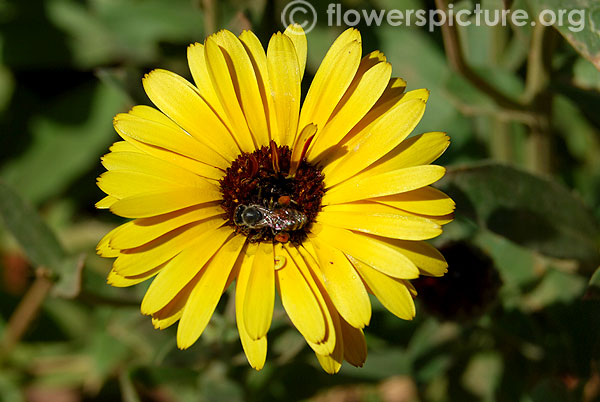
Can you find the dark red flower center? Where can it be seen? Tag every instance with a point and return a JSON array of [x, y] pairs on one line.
[[264, 202]]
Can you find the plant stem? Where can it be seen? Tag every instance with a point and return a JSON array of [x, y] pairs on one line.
[[92, 298], [502, 147], [536, 101], [537, 94], [27, 310], [502, 140], [210, 16], [458, 63]]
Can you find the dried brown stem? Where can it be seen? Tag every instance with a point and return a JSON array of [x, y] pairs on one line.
[[210, 16], [458, 63], [27, 310], [535, 104]]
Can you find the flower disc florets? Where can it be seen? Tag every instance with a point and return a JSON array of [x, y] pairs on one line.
[[264, 202]]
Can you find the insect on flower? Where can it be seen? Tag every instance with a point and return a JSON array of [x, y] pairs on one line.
[[276, 216]]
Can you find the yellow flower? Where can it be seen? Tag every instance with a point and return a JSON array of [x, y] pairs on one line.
[[231, 180]]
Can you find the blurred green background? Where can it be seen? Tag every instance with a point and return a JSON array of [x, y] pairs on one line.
[[516, 319]]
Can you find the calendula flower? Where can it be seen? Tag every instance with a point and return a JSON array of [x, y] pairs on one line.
[[231, 180]]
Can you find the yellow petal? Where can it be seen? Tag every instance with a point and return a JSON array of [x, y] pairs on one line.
[[199, 70], [332, 79], [123, 146], [330, 83], [426, 200], [418, 150], [193, 165], [207, 291], [368, 250], [103, 248], [220, 71], [309, 267], [343, 284], [149, 113], [255, 350], [168, 320], [171, 313], [182, 269], [378, 219], [332, 362], [392, 94], [189, 163], [119, 281], [300, 145], [167, 137], [300, 302], [157, 203], [298, 38], [397, 181], [142, 259], [349, 35], [146, 164], [144, 230], [180, 100], [246, 84], [284, 80], [440, 220], [260, 293], [391, 98], [391, 292], [355, 346], [367, 86], [122, 184], [426, 257], [411, 288], [257, 55], [329, 363], [106, 202], [376, 140]]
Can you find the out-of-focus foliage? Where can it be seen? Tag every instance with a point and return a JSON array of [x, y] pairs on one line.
[[585, 40], [68, 66]]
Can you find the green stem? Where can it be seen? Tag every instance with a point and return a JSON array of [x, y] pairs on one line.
[[502, 147], [539, 96]]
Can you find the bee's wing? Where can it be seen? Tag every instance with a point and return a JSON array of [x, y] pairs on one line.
[[267, 220]]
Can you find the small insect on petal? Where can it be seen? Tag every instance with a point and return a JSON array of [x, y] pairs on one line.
[[280, 262]]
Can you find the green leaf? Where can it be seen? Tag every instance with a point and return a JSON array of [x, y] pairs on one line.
[[555, 287], [531, 211], [416, 58], [483, 374], [68, 284], [580, 24], [10, 386], [39, 242], [585, 75], [593, 291], [103, 32], [67, 141], [464, 91]]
